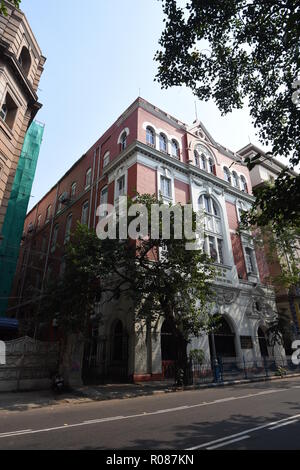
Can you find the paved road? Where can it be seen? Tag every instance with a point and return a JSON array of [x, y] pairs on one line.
[[252, 416]]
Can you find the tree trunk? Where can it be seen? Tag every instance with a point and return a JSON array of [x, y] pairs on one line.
[[71, 360]]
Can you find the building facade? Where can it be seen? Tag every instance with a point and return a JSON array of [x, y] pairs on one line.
[[148, 151], [21, 66]]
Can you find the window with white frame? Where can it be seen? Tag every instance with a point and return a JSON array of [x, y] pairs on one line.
[[204, 159], [123, 141], [120, 186], [54, 238], [174, 149], [235, 179], [213, 242], [85, 213], [166, 187], [244, 186], [211, 165], [68, 228], [227, 175], [163, 146], [106, 159], [88, 178], [150, 136]]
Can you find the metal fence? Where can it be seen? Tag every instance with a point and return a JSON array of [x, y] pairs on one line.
[[228, 369]]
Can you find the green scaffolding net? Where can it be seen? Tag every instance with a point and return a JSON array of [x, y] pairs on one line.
[[12, 230]]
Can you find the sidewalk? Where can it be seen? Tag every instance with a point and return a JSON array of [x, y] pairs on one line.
[[24, 401]]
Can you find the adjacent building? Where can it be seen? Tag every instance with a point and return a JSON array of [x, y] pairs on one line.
[[21, 66], [149, 151]]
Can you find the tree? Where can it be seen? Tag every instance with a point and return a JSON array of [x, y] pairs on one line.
[[159, 277], [3, 9], [237, 52]]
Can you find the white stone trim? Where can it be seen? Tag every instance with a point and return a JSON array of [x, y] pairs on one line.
[[122, 132]]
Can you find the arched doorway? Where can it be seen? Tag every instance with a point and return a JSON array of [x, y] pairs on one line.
[[222, 340], [118, 367], [263, 344]]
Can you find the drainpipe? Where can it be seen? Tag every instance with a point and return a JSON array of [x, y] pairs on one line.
[[97, 185]]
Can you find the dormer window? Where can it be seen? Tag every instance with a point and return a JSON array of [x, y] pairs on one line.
[[150, 137]]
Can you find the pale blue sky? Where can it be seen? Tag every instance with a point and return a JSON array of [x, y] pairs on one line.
[[99, 54]]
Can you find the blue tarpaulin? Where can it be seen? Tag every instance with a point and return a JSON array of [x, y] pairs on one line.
[[9, 323]]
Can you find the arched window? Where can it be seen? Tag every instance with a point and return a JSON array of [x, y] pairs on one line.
[[211, 166], [162, 143], [204, 159], [25, 60], [244, 186], [150, 137], [227, 175], [235, 179], [203, 162], [123, 141], [213, 242], [174, 149]]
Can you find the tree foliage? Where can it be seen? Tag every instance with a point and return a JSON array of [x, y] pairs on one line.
[[159, 277], [3, 9], [240, 52]]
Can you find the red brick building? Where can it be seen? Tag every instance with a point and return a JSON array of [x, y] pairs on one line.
[[148, 151]]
